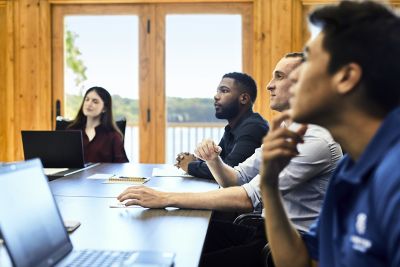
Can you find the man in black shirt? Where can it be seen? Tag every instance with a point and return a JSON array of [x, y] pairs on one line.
[[234, 100]]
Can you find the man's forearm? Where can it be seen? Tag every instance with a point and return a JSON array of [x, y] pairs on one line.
[[225, 199], [224, 174], [287, 246]]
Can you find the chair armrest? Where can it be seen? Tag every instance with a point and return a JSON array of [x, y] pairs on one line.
[[249, 219]]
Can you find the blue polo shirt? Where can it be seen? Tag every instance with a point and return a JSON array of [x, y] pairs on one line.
[[359, 224]]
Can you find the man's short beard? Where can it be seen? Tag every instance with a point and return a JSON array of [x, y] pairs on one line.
[[228, 112]]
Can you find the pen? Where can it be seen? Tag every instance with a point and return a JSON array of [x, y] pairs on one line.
[[134, 177]]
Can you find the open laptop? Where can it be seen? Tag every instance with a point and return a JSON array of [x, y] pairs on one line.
[[34, 233], [61, 152]]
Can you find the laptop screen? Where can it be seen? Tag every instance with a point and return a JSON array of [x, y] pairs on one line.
[[56, 149], [30, 222]]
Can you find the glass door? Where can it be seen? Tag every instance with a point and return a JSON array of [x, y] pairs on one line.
[[202, 43], [100, 46]]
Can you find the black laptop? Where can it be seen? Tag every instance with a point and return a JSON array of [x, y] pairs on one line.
[[56, 149], [34, 233]]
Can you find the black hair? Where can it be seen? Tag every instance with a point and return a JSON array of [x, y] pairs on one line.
[[245, 82], [295, 54], [366, 33], [106, 119]]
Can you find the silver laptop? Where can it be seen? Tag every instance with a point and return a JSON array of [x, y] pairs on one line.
[[34, 233], [61, 152]]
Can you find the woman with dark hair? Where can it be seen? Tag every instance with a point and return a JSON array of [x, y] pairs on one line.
[[102, 140]]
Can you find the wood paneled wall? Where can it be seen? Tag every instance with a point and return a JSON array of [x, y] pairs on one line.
[[27, 73], [25, 57], [7, 135], [3, 49]]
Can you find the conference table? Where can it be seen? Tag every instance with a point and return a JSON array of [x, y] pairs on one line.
[[89, 201]]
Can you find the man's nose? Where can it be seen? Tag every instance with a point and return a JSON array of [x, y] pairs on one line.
[[270, 86]]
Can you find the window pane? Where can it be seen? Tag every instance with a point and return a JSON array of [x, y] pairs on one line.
[[200, 49], [103, 51]]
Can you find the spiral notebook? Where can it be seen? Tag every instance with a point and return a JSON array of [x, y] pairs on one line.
[[126, 180]]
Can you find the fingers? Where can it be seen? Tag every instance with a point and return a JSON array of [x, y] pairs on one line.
[[143, 196], [285, 133], [286, 144], [133, 202], [277, 120], [130, 193], [218, 149], [280, 149], [302, 130], [180, 157], [207, 150], [204, 149], [282, 143]]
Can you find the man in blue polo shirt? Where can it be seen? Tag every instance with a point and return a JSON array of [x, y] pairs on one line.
[[349, 84]]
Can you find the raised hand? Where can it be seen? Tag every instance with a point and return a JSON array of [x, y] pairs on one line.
[[279, 147]]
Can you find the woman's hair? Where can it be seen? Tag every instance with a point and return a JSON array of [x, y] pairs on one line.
[[106, 117]]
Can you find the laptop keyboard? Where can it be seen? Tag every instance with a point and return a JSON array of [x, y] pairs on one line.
[[100, 258]]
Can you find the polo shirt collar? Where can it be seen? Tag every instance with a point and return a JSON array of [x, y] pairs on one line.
[[243, 118], [387, 134]]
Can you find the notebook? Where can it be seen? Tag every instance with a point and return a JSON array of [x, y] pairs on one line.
[[56, 149], [126, 180], [34, 233]]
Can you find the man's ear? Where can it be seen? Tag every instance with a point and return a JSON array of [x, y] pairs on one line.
[[244, 98], [347, 78]]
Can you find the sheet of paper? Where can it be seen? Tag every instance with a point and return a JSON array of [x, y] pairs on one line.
[[126, 180], [51, 171], [171, 172], [101, 176], [120, 205]]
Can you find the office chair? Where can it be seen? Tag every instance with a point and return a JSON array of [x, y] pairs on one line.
[[249, 219], [121, 123], [62, 124], [255, 219]]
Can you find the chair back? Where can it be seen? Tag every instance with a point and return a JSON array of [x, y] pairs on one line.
[[121, 123], [61, 123]]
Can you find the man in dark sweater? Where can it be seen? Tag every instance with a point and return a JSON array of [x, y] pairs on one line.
[[234, 100]]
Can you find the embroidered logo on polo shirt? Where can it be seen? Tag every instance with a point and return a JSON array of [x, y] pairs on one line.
[[359, 243], [361, 223]]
